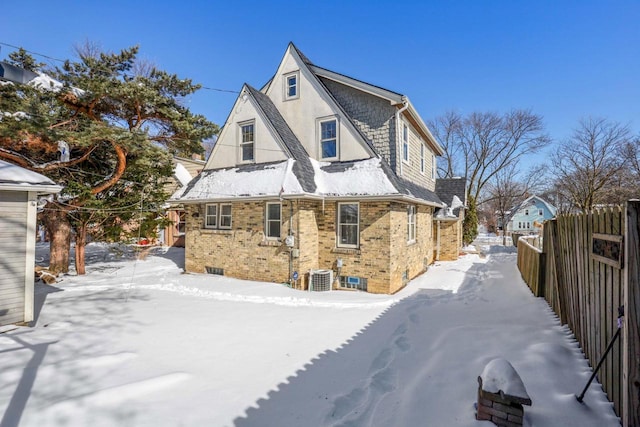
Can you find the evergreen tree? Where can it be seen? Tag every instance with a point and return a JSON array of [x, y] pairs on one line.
[[106, 134], [22, 59]]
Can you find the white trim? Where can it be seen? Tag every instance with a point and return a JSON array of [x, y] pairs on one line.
[[241, 125], [207, 216], [392, 97], [319, 122], [267, 220], [220, 226], [285, 85], [406, 137], [32, 200], [412, 226], [339, 235]]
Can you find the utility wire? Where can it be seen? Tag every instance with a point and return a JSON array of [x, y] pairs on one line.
[[62, 60]]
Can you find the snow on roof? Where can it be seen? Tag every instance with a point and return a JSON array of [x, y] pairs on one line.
[[364, 177], [46, 82], [360, 178], [259, 180], [499, 375], [17, 177]]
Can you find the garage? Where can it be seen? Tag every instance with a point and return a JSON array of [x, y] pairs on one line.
[[19, 192]]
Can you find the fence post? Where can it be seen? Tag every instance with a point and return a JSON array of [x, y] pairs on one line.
[[631, 329]]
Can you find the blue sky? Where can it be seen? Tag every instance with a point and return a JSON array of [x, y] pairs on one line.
[[562, 59]]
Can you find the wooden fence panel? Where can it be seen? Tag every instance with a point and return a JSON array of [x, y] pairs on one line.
[[586, 292], [631, 329]]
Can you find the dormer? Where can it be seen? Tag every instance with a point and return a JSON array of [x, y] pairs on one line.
[[247, 137], [314, 116]]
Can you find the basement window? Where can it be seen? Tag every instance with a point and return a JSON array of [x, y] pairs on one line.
[[215, 270]]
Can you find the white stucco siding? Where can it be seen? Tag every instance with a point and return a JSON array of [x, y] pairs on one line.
[[226, 152], [313, 104]]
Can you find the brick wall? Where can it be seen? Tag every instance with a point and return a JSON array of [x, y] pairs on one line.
[[409, 259], [242, 252], [382, 258], [450, 239]]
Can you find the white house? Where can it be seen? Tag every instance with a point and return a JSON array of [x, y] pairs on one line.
[[19, 190]]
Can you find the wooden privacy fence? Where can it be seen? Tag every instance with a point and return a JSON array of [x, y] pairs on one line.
[[531, 262], [587, 268]]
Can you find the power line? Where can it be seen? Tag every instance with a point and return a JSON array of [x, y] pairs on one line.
[[34, 53], [62, 60]]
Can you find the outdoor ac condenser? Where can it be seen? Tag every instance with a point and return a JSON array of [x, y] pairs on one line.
[[320, 280]]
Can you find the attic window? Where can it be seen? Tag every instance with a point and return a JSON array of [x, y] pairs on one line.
[[291, 86], [329, 139], [247, 142]]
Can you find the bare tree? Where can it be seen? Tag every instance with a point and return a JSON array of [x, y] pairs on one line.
[[588, 162], [504, 192], [481, 145]]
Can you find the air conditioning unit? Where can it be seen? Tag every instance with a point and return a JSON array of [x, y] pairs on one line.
[[320, 280]]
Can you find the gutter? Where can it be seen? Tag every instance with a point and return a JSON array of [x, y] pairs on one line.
[[321, 198]]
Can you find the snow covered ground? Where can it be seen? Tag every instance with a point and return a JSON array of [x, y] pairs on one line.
[[140, 343]]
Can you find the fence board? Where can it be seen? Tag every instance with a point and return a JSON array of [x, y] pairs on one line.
[[585, 293], [631, 329]]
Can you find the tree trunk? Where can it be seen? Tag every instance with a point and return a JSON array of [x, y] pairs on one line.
[[81, 242], [57, 224]]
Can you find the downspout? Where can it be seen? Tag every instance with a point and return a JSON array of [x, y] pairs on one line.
[[400, 157]]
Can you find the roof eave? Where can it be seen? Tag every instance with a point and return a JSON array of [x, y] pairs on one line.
[[392, 97], [38, 188]]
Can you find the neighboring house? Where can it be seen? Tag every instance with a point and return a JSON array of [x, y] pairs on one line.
[[19, 190], [448, 220], [529, 215], [12, 73], [184, 171], [317, 179]]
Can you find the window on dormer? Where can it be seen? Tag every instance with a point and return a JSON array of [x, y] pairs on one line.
[[247, 142], [329, 139], [291, 90]]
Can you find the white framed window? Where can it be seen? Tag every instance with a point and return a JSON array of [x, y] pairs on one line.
[[247, 142], [218, 216], [526, 212], [273, 220], [433, 167], [291, 86], [225, 216], [348, 229], [411, 224], [328, 138], [211, 216], [422, 161], [405, 143], [540, 212]]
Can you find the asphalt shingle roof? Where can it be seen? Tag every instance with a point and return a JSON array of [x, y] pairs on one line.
[[302, 167]]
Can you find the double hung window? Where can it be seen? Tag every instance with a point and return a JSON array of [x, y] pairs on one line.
[[348, 225], [273, 220], [247, 142], [329, 139], [218, 215], [411, 224]]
